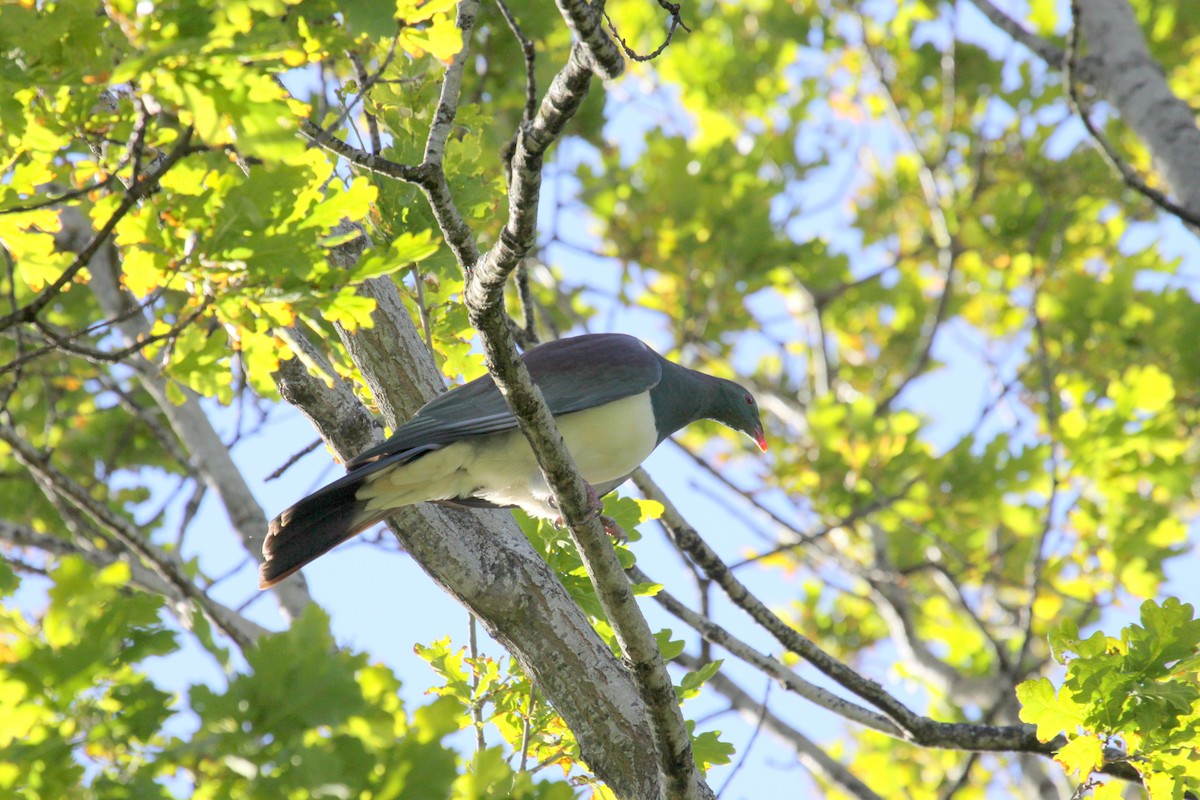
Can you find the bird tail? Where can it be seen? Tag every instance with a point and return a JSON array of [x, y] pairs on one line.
[[312, 527]]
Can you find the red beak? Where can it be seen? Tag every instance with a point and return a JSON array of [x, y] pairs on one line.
[[761, 440]]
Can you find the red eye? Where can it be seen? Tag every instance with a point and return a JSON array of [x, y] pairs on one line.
[[749, 400]]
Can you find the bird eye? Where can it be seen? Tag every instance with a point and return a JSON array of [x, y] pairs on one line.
[[749, 400]]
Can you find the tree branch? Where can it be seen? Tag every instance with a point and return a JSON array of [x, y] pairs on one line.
[[597, 51], [484, 297], [719, 636], [165, 566], [145, 579], [1114, 26], [209, 454], [481, 559]]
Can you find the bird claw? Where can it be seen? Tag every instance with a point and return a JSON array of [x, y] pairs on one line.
[[597, 512], [614, 530]]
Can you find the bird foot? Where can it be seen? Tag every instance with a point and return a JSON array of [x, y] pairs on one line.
[[614, 530], [596, 509]]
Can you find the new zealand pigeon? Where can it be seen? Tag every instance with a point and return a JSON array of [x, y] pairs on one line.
[[614, 400]]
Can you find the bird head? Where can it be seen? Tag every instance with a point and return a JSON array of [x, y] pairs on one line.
[[737, 408]]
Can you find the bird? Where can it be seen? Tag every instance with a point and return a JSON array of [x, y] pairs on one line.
[[613, 398]]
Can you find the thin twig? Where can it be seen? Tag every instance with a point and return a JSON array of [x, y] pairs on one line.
[[359, 157], [422, 307], [319, 139], [676, 22], [285, 466], [476, 701], [61, 343], [744, 754], [530, 54], [73, 194], [360, 72], [528, 308], [807, 751], [527, 726]]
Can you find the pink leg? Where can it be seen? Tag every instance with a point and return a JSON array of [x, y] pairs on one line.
[[596, 506]]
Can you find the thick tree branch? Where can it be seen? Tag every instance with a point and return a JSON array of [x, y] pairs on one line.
[[433, 183], [1133, 82], [369, 349], [1042, 48], [485, 283], [1120, 67], [598, 52], [447, 107]]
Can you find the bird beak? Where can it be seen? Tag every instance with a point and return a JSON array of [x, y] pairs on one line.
[[760, 439]]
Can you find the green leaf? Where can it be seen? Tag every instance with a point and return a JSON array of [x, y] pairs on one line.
[[351, 311], [692, 682], [670, 648], [1082, 755], [374, 19], [403, 251], [1051, 712], [707, 749], [1168, 633]]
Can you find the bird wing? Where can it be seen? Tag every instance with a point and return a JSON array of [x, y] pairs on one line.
[[574, 374]]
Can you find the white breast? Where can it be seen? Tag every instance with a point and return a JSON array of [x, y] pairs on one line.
[[607, 443]]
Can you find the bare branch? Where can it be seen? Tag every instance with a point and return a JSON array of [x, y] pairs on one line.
[[596, 51], [360, 72], [165, 566], [141, 577], [368, 161], [65, 197], [527, 50], [1147, 128], [676, 22], [719, 636], [285, 466], [812, 756], [63, 342]]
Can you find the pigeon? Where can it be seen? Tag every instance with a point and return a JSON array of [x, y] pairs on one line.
[[613, 398]]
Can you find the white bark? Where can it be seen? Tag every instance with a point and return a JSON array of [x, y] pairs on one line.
[[1133, 82]]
